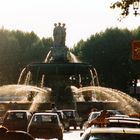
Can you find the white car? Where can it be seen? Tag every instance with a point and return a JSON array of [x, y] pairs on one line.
[[107, 133]]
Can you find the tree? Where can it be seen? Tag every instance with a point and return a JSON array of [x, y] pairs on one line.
[[125, 5], [110, 53], [17, 49]]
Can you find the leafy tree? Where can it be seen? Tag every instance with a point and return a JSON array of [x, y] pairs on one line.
[[17, 49], [110, 53], [124, 5], [78, 49]]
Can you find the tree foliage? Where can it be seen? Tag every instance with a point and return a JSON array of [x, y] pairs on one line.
[[124, 5], [17, 49], [110, 53]]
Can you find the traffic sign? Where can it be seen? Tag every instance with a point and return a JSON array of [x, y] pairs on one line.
[[136, 50]]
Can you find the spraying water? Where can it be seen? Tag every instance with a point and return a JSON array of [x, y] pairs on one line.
[[21, 94], [73, 58], [126, 103], [22, 74], [47, 59]]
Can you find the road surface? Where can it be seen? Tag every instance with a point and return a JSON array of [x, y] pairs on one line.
[[70, 135]]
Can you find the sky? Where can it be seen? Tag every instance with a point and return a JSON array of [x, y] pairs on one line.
[[83, 18]]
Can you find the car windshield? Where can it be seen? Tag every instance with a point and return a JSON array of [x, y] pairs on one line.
[[114, 137]]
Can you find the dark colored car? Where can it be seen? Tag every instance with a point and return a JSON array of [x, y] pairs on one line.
[[46, 126], [16, 119], [73, 118], [63, 119]]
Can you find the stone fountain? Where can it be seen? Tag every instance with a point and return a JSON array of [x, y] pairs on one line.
[[64, 81], [60, 72]]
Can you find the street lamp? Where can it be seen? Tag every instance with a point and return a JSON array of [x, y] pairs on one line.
[[135, 7]]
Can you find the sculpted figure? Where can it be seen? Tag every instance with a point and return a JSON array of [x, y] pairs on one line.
[[55, 34], [59, 34], [63, 34]]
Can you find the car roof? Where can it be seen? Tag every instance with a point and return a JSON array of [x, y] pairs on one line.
[[114, 130], [68, 110], [45, 113], [18, 111]]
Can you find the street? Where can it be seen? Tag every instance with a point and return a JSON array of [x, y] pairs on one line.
[[70, 135]]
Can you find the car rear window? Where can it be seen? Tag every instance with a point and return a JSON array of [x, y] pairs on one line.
[[45, 119], [16, 115]]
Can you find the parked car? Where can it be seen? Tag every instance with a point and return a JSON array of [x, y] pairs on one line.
[[105, 133], [16, 119], [73, 118], [45, 125]]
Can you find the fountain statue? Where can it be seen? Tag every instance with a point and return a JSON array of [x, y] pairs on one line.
[[59, 34], [59, 52]]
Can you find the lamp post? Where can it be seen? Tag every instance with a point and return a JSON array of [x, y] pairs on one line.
[[136, 7]]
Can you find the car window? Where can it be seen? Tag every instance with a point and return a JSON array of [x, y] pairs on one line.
[[37, 119], [17, 115], [93, 115], [69, 114]]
